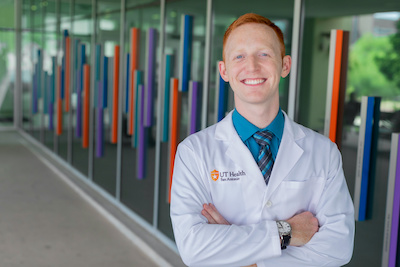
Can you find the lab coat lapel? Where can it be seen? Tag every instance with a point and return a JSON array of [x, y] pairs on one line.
[[288, 155], [238, 152]]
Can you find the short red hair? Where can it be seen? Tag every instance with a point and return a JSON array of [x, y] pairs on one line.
[[253, 18]]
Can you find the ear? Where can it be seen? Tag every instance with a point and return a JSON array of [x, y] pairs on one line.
[[286, 65], [222, 71]]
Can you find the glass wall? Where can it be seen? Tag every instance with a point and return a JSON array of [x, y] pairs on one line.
[[36, 42], [81, 32], [142, 62], [371, 44], [49, 50], [185, 24], [26, 65], [7, 62], [107, 47], [56, 43], [371, 73]]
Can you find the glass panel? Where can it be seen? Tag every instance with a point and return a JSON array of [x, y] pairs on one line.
[[370, 73], [51, 41], [81, 39], [49, 51], [373, 58], [7, 62], [107, 35], [192, 14], [137, 189], [26, 65], [36, 22]]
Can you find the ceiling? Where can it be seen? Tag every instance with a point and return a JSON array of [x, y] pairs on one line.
[[270, 8], [313, 8]]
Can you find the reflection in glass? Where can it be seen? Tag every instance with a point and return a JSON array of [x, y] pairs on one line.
[[81, 39], [370, 43], [139, 118]]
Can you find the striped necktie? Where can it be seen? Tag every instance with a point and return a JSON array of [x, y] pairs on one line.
[[265, 161]]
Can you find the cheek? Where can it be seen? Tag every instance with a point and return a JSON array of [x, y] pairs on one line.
[[233, 70], [276, 70]]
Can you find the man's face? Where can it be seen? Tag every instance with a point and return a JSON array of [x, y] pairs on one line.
[[253, 65]]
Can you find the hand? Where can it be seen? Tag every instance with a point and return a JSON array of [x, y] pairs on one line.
[[212, 214], [304, 226]]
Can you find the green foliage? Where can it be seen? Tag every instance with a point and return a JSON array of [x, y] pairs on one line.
[[7, 14], [365, 76], [389, 63]]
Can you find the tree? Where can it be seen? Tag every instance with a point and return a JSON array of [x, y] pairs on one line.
[[389, 63], [365, 76]]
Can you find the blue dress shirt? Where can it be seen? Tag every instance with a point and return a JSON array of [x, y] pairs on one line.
[[246, 129]]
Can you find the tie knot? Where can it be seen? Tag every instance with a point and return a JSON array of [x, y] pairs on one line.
[[263, 138]]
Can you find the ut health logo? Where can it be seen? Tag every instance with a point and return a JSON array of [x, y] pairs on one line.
[[215, 175]]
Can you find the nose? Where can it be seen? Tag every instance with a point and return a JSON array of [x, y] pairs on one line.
[[253, 64]]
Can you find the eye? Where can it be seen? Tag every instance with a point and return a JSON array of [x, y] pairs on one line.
[[239, 57], [264, 54]]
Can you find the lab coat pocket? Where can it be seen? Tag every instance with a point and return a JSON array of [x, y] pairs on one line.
[[298, 196]]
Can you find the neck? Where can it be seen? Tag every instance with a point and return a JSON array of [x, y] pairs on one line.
[[259, 116]]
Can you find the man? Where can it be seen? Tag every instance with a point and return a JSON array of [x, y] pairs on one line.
[[256, 188]]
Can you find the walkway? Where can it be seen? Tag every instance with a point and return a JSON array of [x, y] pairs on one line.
[[46, 221]]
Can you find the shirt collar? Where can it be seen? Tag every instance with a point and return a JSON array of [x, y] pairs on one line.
[[246, 129]]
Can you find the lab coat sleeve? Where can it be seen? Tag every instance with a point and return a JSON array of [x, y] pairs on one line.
[[203, 244], [333, 244]]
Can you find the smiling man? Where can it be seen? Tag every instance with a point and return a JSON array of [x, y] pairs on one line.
[[257, 188]]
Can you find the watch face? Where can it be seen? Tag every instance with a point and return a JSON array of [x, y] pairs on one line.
[[285, 227]]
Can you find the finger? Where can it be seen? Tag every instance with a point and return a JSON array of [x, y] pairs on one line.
[[208, 217], [212, 210]]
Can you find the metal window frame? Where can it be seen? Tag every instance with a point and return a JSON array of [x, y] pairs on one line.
[[297, 36]]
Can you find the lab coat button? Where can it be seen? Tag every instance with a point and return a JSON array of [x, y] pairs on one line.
[[269, 204]]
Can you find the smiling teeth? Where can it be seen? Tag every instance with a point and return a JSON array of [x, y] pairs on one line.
[[252, 82]]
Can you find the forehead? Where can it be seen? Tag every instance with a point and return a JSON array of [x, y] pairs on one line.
[[250, 34]]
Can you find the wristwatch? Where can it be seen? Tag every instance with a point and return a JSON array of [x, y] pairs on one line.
[[285, 233]]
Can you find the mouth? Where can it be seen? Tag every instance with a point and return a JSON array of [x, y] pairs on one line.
[[253, 81]]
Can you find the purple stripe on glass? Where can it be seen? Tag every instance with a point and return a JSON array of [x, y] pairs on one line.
[[99, 134], [395, 214], [100, 122], [78, 129], [34, 94], [46, 93], [51, 116], [193, 112], [151, 35], [141, 156]]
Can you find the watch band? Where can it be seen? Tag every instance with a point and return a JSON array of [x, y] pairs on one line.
[[285, 241]]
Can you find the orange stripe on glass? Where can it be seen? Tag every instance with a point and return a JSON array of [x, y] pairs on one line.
[[134, 66], [86, 103], [336, 86], [174, 134], [67, 72], [59, 102], [114, 126]]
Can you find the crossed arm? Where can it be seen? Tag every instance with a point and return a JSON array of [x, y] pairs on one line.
[[304, 225]]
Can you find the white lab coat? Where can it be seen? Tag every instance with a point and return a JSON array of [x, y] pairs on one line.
[[307, 176]]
